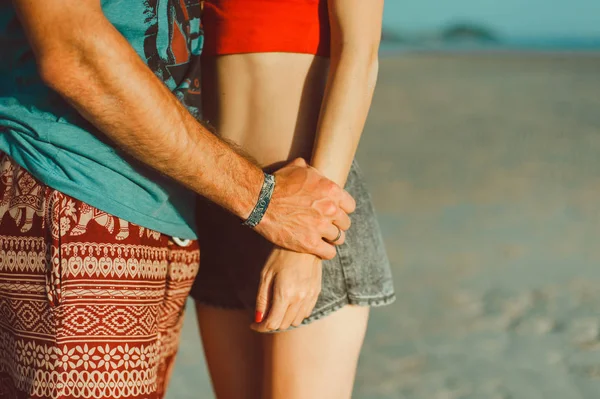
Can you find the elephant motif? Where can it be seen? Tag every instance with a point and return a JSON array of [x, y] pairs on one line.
[[23, 196], [88, 213]]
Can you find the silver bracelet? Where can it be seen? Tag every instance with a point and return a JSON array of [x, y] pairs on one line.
[[264, 198]]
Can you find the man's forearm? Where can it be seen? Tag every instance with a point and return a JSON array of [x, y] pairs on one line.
[[106, 81]]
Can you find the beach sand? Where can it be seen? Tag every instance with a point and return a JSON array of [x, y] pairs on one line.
[[485, 172]]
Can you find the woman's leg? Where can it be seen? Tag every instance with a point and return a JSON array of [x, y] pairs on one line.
[[315, 361], [233, 352]]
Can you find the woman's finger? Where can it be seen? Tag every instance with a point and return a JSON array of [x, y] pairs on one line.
[[311, 306], [277, 307], [302, 314], [312, 302], [306, 309], [346, 202], [263, 297], [274, 317], [290, 315]]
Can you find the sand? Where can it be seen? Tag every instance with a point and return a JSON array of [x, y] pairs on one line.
[[485, 172]]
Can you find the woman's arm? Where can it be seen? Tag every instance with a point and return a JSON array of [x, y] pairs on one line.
[[355, 37]]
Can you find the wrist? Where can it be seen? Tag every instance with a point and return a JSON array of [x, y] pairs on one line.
[[262, 203], [306, 257], [250, 188]]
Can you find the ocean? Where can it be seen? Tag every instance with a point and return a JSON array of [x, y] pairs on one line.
[[547, 44]]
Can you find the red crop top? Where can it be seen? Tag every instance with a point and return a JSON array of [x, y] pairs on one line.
[[261, 26]]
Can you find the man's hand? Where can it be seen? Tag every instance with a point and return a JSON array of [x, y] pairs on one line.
[[289, 287], [306, 209]]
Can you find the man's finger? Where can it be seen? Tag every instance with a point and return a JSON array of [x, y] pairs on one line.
[[347, 203], [324, 250], [342, 220], [299, 162], [334, 235]]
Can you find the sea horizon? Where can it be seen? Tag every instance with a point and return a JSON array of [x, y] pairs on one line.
[[527, 44]]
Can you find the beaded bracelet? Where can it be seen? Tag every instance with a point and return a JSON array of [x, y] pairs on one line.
[[264, 198]]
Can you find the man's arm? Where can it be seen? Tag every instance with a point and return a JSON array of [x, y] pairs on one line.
[[85, 59]]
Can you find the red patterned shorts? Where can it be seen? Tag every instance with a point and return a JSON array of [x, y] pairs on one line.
[[90, 306]]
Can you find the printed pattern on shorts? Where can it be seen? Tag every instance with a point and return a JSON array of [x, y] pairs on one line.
[[90, 306]]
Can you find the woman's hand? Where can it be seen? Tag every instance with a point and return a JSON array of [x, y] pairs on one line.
[[289, 287]]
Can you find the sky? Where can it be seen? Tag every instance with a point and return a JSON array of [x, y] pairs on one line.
[[508, 18]]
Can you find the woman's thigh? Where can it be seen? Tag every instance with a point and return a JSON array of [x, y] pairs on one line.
[[233, 352], [317, 360]]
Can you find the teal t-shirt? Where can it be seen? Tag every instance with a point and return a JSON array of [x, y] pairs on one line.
[[46, 136]]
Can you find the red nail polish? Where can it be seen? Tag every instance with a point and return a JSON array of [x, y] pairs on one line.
[[258, 316]]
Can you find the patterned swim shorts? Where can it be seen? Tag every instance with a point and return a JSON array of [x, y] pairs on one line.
[[91, 306]]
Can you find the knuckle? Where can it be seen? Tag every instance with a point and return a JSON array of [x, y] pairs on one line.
[[297, 323], [332, 188], [283, 298], [330, 208], [283, 295]]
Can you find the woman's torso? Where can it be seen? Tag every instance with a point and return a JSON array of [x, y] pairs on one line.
[[265, 73], [267, 103]]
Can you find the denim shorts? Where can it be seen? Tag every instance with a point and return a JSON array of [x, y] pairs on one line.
[[232, 256]]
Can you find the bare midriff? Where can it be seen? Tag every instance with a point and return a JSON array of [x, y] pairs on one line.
[[267, 103]]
